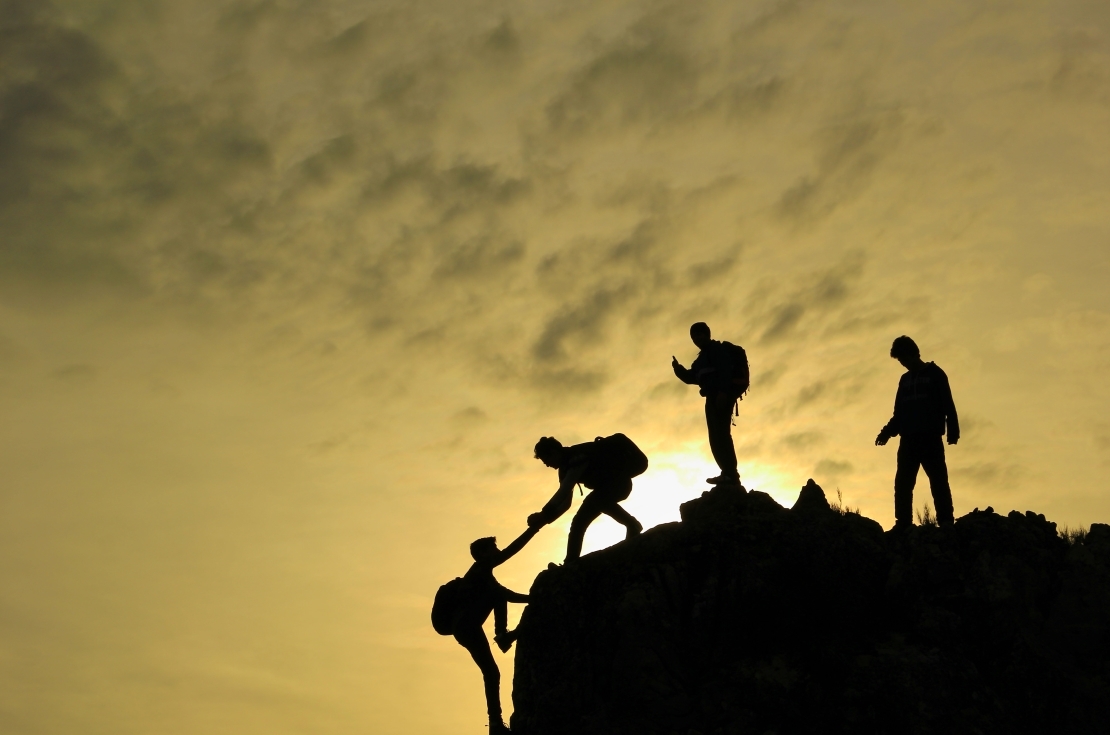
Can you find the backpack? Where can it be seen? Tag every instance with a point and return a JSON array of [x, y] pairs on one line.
[[618, 456], [450, 599], [739, 368]]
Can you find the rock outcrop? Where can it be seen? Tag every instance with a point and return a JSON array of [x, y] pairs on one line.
[[746, 617]]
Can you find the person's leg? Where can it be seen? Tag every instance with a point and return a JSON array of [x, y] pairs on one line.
[[505, 640], [936, 469], [904, 480], [591, 508], [632, 526], [502, 636], [718, 420], [500, 616], [620, 491], [474, 640]]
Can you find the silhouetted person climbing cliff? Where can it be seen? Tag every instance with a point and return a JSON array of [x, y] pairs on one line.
[[721, 372], [464, 609], [922, 409], [607, 467]]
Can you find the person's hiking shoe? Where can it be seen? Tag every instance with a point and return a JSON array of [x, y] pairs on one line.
[[630, 532], [505, 640], [498, 727], [723, 479]]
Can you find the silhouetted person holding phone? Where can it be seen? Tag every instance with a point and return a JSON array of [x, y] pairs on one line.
[[721, 372], [463, 605], [606, 466], [923, 408]]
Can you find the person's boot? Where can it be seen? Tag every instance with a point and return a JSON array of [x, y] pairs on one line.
[[630, 531], [498, 727], [504, 640], [724, 479], [901, 528]]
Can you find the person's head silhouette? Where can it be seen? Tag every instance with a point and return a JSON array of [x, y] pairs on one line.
[[484, 548], [700, 334], [905, 351], [549, 450]]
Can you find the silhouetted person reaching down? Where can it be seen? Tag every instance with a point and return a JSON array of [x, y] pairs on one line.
[[606, 466], [463, 606], [721, 372], [922, 408]]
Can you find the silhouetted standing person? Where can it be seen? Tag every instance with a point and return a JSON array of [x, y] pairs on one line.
[[607, 467], [922, 409], [469, 605], [721, 372]]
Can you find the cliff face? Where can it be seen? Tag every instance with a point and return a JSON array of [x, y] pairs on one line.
[[747, 617]]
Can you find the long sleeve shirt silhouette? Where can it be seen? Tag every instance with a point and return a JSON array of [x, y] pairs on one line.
[[487, 592], [924, 405]]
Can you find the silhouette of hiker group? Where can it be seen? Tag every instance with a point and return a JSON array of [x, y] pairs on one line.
[[923, 410]]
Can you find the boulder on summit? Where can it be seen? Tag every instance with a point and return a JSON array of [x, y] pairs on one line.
[[746, 617]]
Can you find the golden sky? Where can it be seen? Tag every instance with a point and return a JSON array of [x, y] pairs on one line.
[[289, 289]]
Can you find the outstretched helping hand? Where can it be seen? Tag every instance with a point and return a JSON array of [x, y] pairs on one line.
[[536, 520], [881, 439]]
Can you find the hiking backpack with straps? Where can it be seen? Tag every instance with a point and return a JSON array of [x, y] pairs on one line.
[[740, 368], [450, 599], [616, 456]]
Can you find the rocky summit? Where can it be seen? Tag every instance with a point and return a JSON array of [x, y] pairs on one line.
[[747, 617]]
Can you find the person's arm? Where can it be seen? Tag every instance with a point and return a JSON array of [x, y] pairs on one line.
[[511, 596], [892, 427], [560, 502], [950, 411], [683, 374], [521, 541]]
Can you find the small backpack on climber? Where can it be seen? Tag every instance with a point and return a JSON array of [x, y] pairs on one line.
[[450, 599]]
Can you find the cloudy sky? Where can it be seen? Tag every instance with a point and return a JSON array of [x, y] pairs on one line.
[[289, 289]]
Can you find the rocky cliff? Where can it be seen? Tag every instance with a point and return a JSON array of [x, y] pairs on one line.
[[746, 617]]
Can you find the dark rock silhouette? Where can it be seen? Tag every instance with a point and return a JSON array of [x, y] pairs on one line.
[[750, 618]]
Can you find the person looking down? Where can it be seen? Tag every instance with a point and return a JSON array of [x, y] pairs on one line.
[[923, 411]]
